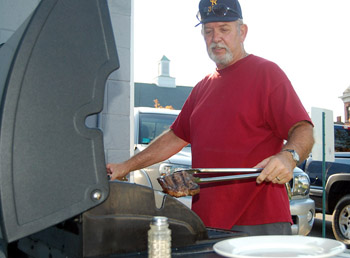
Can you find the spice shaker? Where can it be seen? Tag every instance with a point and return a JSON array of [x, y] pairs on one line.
[[159, 238]]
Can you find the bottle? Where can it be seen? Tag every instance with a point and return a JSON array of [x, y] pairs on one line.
[[159, 238]]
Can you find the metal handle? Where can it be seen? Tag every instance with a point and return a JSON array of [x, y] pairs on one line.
[[222, 170], [225, 178], [248, 171]]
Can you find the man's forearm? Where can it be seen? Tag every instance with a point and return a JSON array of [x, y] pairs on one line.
[[163, 147], [301, 139]]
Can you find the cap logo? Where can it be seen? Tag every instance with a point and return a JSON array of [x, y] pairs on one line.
[[213, 2]]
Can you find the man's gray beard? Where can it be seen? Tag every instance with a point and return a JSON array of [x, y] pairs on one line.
[[222, 60]]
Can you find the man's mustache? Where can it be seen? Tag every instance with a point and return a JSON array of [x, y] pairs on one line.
[[218, 45]]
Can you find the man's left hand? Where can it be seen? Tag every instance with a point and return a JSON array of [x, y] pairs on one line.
[[277, 169]]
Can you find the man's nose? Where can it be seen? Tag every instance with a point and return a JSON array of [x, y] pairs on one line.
[[216, 36]]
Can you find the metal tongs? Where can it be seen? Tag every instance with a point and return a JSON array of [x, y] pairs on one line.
[[245, 173]]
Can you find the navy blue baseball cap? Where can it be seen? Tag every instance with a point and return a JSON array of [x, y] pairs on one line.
[[218, 11]]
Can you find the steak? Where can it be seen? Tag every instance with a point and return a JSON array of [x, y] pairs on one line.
[[179, 184]]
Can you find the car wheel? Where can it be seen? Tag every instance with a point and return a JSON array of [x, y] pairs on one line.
[[341, 220]]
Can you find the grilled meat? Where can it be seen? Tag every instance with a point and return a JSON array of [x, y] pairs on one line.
[[179, 184]]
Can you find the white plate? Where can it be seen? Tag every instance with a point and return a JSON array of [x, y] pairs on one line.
[[279, 246]]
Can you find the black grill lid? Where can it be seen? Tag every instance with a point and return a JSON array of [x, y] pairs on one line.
[[53, 73]]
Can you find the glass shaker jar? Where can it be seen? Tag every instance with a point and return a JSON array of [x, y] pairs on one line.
[[159, 238]]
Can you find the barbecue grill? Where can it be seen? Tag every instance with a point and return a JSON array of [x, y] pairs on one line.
[[118, 227], [56, 200]]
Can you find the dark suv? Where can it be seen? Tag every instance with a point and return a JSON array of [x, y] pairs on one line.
[[336, 187]]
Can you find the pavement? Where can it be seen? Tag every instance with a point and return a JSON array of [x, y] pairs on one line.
[[317, 228], [317, 231]]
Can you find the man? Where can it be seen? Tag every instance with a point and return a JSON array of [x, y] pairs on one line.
[[239, 116]]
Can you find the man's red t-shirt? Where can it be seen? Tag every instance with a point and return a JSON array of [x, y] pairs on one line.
[[235, 118]]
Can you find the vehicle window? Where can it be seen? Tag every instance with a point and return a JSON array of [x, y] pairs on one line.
[[342, 139], [152, 125]]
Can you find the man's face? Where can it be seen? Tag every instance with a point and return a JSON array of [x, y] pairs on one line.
[[224, 41]]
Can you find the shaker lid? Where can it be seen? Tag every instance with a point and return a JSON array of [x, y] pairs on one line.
[[159, 220]]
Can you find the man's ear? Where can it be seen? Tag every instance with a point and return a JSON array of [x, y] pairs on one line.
[[243, 31]]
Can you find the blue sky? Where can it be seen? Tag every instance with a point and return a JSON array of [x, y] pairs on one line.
[[308, 39]]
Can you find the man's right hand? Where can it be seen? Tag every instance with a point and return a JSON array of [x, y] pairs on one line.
[[162, 148], [116, 171]]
